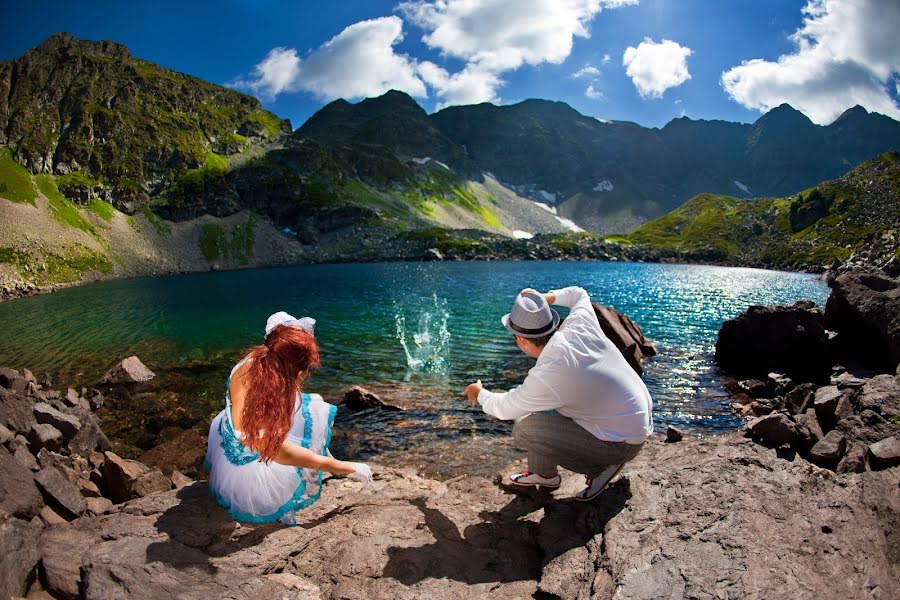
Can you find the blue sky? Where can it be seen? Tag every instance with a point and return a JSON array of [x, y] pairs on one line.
[[646, 61]]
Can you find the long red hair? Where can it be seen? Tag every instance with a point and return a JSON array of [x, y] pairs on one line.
[[275, 374]]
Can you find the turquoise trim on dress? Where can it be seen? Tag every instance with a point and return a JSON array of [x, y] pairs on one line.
[[297, 500]]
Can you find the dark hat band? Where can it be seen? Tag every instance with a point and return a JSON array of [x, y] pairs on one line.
[[540, 330]]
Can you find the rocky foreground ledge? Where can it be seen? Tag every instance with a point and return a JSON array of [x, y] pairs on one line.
[[718, 518]]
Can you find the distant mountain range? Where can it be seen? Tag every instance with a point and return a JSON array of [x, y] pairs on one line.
[[611, 176], [99, 124]]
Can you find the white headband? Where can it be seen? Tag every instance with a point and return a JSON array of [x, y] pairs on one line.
[[307, 324]]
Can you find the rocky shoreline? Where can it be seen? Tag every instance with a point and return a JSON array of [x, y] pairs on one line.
[[802, 502]]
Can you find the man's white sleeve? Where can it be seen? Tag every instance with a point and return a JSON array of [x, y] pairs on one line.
[[577, 300], [536, 394]]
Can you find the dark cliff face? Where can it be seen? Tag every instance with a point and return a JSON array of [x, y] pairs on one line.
[[71, 105]]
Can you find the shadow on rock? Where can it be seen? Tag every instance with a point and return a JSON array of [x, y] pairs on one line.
[[504, 546], [199, 523]]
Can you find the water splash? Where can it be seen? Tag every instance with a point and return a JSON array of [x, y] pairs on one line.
[[428, 347]]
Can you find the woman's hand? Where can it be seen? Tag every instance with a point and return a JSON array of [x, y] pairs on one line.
[[362, 472]]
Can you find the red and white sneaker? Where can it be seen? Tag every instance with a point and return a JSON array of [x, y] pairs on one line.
[[527, 478], [598, 483]]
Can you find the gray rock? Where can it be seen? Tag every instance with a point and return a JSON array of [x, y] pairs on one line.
[[780, 382], [25, 458], [90, 437], [15, 411], [673, 435], [800, 398], [5, 434], [58, 488], [151, 482], [28, 376], [61, 547], [844, 407], [42, 435], [7, 376], [881, 394], [775, 428], [854, 460], [848, 381], [18, 556], [826, 401], [808, 429], [129, 370], [885, 454], [45, 380], [433, 254], [829, 450], [72, 397], [66, 424], [19, 495]]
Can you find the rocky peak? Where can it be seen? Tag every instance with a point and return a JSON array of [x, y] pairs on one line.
[[63, 43]]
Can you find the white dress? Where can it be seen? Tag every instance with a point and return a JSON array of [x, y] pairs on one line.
[[261, 492]]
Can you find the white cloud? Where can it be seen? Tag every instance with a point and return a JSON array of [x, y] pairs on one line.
[[847, 52], [586, 71], [655, 67], [359, 61], [469, 86], [592, 93], [495, 36], [605, 60]]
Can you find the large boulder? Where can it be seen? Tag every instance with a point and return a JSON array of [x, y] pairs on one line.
[[66, 424], [18, 556], [775, 428], [786, 339], [19, 496], [62, 493], [864, 308], [885, 454], [829, 450], [16, 411], [626, 335], [129, 370]]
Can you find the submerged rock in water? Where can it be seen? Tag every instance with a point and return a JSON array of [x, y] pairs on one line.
[[359, 398], [129, 370]]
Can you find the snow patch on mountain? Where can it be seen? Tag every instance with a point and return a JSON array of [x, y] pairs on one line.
[[743, 187]]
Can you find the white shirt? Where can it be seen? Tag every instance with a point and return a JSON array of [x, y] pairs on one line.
[[581, 375]]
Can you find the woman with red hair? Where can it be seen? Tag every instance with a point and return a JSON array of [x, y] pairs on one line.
[[269, 445]]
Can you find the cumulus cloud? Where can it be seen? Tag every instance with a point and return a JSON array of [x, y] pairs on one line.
[[469, 86], [655, 67], [847, 53], [586, 71], [359, 61], [495, 36], [605, 60], [592, 93]]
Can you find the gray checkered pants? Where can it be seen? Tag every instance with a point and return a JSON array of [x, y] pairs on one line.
[[554, 440]]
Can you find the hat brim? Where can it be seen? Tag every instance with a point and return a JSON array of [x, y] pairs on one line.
[[505, 320]]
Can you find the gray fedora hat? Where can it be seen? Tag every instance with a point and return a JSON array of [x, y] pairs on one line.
[[531, 317]]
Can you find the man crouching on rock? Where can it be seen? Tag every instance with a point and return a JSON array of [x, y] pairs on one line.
[[581, 406]]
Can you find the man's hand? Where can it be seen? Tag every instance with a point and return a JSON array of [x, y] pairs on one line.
[[550, 298], [472, 391]]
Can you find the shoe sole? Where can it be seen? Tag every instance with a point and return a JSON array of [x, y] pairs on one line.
[[600, 491], [528, 485]]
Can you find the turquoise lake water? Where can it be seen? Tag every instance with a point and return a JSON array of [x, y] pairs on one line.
[[414, 332]]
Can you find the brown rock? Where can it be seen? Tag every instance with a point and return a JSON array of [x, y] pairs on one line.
[[179, 479], [854, 460], [826, 401], [808, 429], [5, 434], [66, 424], [151, 482], [359, 398], [673, 435], [775, 428], [129, 370], [7, 376], [57, 487], [44, 436], [800, 398], [25, 458], [120, 475], [829, 450], [88, 489], [99, 505], [18, 556], [15, 411], [881, 394], [885, 454], [50, 516], [19, 495], [627, 335], [61, 548]]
